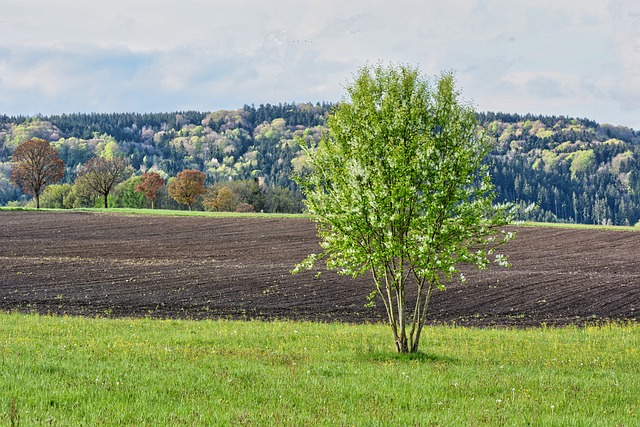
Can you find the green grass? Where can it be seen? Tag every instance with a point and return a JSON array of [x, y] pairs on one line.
[[579, 226], [171, 212], [73, 371], [161, 212]]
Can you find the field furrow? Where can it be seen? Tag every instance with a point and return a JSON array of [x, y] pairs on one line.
[[94, 264]]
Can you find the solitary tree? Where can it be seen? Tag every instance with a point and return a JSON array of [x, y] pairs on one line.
[[35, 166], [398, 188], [151, 183], [101, 174], [187, 186]]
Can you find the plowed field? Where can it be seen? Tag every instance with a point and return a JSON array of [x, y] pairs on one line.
[[95, 264]]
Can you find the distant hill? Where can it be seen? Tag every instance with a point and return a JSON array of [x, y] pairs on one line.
[[556, 168]]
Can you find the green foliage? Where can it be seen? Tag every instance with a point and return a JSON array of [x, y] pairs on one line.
[[100, 175], [124, 194], [74, 371], [109, 148], [30, 129], [398, 188], [582, 173], [582, 161], [254, 142], [58, 196], [251, 195], [283, 200]]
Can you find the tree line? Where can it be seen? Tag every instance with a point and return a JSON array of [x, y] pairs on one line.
[[558, 169], [109, 181]]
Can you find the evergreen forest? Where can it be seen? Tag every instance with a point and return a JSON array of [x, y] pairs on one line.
[[556, 168]]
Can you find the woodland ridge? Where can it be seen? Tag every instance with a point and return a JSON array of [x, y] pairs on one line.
[[558, 169]]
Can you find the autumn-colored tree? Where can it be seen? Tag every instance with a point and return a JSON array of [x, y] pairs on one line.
[[102, 174], [187, 186], [225, 200], [151, 183], [36, 165]]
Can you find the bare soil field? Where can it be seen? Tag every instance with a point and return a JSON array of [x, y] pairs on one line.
[[92, 264]]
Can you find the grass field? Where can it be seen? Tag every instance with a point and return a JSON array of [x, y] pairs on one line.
[[171, 212], [162, 212], [579, 226], [66, 371]]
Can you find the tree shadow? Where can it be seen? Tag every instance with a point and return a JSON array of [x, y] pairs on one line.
[[385, 356]]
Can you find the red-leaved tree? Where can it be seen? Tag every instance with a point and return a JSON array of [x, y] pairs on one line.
[[36, 164], [151, 183]]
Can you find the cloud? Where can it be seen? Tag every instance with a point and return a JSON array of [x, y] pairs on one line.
[[549, 57], [626, 45], [545, 87]]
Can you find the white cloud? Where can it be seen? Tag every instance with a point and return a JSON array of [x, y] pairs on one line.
[[574, 57]]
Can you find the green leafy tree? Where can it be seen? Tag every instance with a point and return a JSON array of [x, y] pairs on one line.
[[282, 200], [56, 195], [101, 175], [124, 195], [36, 165], [398, 188]]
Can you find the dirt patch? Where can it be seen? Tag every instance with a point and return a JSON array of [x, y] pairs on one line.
[[92, 264]]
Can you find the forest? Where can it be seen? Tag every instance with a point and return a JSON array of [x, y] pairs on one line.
[[556, 168]]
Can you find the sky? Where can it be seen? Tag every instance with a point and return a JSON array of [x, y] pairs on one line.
[[576, 58]]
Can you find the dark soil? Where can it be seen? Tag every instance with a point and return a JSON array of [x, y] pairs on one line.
[[113, 265]]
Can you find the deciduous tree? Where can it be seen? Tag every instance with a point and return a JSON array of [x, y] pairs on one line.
[[101, 174], [151, 183], [187, 186], [36, 165], [225, 200], [398, 188]]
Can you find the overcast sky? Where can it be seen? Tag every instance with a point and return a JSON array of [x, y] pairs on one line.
[[578, 58]]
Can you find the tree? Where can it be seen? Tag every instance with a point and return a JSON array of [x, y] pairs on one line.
[[56, 196], [187, 186], [282, 200], [151, 183], [398, 188], [36, 165], [102, 174], [223, 200], [124, 195]]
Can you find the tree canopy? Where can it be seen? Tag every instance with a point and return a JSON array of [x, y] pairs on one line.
[[101, 174], [187, 186], [149, 186], [36, 165], [398, 188]]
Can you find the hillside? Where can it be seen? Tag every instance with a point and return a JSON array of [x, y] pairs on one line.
[[556, 168]]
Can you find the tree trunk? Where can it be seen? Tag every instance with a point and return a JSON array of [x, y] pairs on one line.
[[37, 201], [421, 319], [106, 201], [152, 203], [401, 344]]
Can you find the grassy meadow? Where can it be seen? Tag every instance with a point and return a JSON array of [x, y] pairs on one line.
[[65, 371], [159, 212]]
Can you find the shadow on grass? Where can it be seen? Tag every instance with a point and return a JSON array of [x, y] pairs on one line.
[[382, 356]]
